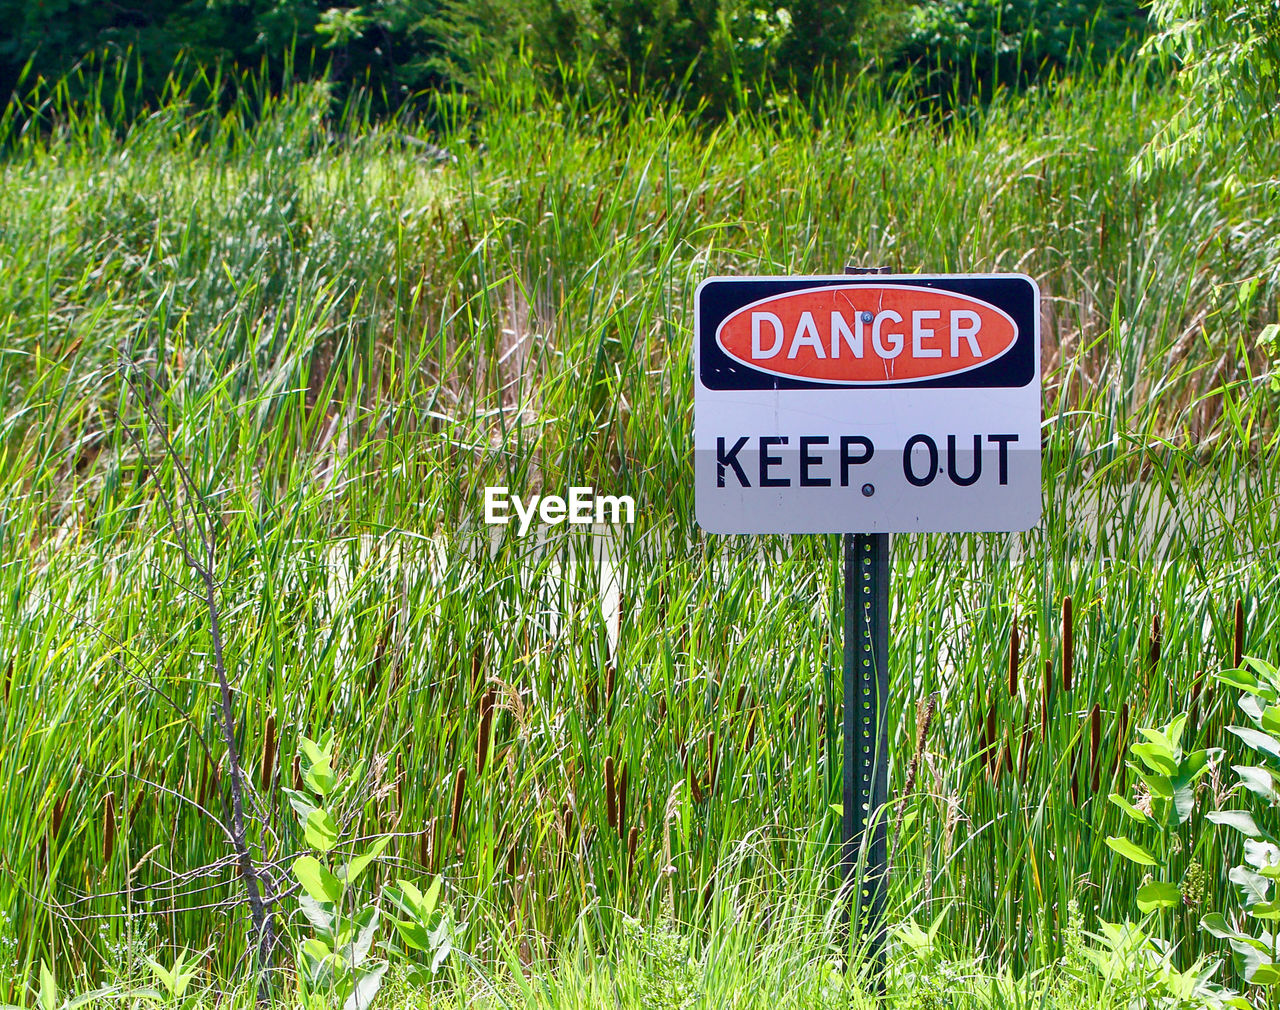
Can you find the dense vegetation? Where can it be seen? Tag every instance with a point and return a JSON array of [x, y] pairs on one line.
[[332, 329], [719, 53]]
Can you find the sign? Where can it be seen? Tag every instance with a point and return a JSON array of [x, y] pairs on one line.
[[867, 404]]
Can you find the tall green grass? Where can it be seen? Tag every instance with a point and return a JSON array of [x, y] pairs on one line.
[[354, 339]]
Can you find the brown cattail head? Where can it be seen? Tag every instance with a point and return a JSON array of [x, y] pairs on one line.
[[297, 773], [424, 845], [622, 802], [566, 816], [267, 768], [742, 697], [108, 827], [662, 707], [1237, 647], [511, 860], [633, 840], [695, 787], [8, 678], [486, 730], [610, 794], [1153, 643], [1068, 644], [1095, 745], [1046, 691], [59, 812], [610, 676], [459, 788], [1013, 659]]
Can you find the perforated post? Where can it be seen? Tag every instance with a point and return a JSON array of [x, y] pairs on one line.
[[866, 745]]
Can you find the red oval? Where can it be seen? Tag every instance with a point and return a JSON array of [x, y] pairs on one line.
[[862, 333]]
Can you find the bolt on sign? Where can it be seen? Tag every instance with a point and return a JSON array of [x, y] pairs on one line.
[[867, 404]]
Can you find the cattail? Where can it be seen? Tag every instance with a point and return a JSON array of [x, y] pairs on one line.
[[459, 787], [511, 860], [1075, 788], [1237, 648], [1068, 644], [695, 787], [742, 696], [752, 717], [711, 760], [1013, 660], [662, 707], [633, 839], [486, 730], [297, 773], [267, 769], [8, 678], [1153, 643], [622, 802], [610, 796], [59, 811], [566, 815], [1046, 689], [477, 664], [108, 827], [924, 716], [424, 845], [610, 678], [1095, 744]]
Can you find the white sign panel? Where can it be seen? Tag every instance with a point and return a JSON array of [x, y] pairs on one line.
[[872, 403]]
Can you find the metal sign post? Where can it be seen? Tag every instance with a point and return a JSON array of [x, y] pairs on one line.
[[866, 729]]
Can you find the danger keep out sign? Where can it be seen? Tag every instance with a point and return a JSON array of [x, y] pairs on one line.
[[867, 404]]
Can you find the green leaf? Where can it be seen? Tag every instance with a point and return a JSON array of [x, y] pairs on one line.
[[1131, 851], [320, 778], [321, 831], [1157, 755], [1265, 974], [316, 879], [366, 988], [1241, 820], [1258, 779], [357, 866], [1215, 924], [1242, 679], [1130, 809], [48, 995], [318, 913], [1158, 894], [1253, 886], [1257, 739]]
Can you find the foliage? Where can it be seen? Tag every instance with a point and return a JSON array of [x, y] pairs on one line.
[[1168, 775], [957, 51], [1230, 78], [1252, 935], [669, 977], [336, 963]]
